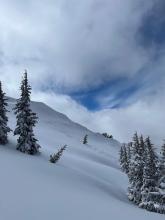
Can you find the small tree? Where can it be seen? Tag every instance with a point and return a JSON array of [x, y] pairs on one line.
[[26, 120], [55, 157], [85, 140], [4, 129]]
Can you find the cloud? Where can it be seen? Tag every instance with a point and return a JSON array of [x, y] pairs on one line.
[[72, 42], [72, 46], [144, 117], [68, 46]]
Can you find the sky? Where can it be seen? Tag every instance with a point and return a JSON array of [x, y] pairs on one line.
[[100, 62]]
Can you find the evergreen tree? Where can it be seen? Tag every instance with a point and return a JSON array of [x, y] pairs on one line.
[[141, 147], [135, 172], [163, 152], [161, 181], [85, 140], [4, 129], [129, 151], [129, 154], [150, 193], [130, 145], [162, 161], [124, 161], [135, 144], [26, 120], [129, 159], [54, 158], [121, 153]]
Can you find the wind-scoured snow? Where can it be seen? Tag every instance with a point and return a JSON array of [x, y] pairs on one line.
[[85, 184]]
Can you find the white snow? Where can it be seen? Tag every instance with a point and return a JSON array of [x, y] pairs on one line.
[[85, 184]]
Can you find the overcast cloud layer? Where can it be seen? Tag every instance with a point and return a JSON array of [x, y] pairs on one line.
[[72, 46]]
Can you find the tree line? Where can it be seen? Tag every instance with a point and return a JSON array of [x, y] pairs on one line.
[[146, 173]]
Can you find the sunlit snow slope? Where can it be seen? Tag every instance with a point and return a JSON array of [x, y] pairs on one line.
[[86, 184]]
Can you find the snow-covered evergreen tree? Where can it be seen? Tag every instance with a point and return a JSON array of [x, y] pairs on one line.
[[26, 120], [129, 154], [141, 147], [85, 140], [161, 181], [124, 160], [135, 171], [54, 158], [150, 192], [121, 153], [4, 129], [162, 161], [135, 144], [163, 152]]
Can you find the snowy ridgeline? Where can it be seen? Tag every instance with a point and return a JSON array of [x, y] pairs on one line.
[[86, 183]]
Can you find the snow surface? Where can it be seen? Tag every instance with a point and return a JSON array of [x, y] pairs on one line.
[[85, 184]]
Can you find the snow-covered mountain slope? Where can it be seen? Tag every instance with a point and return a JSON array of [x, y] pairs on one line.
[[85, 184]]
